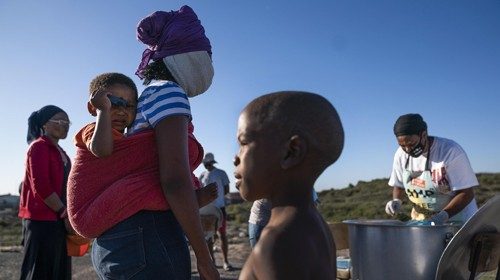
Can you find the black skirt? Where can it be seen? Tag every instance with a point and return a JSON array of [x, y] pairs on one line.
[[45, 253]]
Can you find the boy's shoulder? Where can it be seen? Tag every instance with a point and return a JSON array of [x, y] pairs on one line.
[[307, 236], [279, 254], [283, 235]]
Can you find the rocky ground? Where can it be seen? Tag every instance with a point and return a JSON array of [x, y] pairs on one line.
[[239, 249]]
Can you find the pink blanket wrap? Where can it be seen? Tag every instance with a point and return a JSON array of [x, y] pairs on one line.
[[105, 191]]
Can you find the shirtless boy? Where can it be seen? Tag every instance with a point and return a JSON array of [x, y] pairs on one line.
[[287, 139]]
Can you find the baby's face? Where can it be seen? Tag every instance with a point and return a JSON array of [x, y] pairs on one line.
[[257, 164], [122, 116]]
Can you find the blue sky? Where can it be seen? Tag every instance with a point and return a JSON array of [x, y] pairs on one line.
[[374, 60]]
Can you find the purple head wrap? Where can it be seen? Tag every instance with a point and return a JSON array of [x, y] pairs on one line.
[[170, 33]]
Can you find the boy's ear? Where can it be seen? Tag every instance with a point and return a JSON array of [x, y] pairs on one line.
[[91, 109], [296, 151]]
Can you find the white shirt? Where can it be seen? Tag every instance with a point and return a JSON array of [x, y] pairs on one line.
[[449, 165]]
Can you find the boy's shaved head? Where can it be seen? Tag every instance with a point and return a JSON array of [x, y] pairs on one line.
[[308, 115]]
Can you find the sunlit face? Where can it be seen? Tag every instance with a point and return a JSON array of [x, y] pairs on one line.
[[257, 163], [122, 117], [57, 127]]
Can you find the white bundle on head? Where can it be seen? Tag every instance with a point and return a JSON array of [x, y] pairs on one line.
[[193, 71]]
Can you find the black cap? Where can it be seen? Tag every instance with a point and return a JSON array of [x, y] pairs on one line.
[[409, 124]]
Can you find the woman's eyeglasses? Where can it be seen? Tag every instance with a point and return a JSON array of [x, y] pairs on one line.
[[61, 122]]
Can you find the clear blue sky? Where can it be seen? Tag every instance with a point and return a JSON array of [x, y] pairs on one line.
[[374, 60]]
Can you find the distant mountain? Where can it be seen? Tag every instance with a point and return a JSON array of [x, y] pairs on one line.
[[366, 200], [9, 201]]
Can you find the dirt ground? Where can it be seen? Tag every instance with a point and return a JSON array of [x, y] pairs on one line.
[[239, 249]]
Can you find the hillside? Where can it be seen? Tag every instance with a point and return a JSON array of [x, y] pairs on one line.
[[366, 200]]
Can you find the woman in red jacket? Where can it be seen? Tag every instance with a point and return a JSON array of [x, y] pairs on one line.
[[43, 197]]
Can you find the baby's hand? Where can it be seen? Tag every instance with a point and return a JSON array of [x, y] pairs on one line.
[[207, 194], [100, 100], [212, 191]]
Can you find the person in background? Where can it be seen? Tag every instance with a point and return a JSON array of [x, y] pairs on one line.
[[260, 213], [286, 140], [433, 172], [213, 174], [43, 197], [211, 217]]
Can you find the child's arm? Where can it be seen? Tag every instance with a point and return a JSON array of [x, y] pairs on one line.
[[101, 144]]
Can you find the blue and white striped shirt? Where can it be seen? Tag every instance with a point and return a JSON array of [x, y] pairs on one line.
[[159, 100]]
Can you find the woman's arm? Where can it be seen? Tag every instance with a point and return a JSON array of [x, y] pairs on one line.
[[44, 186], [54, 202], [175, 179], [41, 183]]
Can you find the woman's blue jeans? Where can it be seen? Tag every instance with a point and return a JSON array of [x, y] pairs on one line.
[[147, 245]]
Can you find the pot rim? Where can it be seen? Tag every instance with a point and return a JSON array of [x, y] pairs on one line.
[[392, 223]]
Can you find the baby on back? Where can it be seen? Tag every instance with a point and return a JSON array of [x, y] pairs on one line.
[[114, 176]]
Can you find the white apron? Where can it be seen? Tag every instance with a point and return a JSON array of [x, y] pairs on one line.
[[427, 196]]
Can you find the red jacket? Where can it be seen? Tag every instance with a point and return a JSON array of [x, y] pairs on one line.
[[44, 176]]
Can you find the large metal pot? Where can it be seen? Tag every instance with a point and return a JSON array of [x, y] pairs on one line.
[[389, 249]]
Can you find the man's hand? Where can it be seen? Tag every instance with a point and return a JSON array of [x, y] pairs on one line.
[[393, 207]]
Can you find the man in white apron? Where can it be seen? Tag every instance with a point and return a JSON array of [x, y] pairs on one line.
[[433, 172]]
